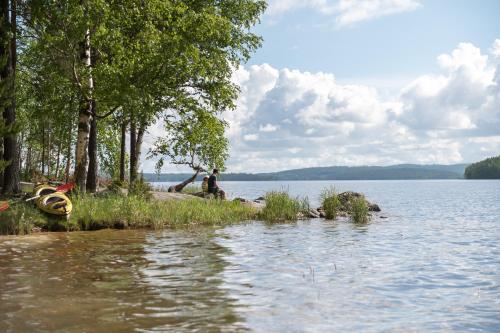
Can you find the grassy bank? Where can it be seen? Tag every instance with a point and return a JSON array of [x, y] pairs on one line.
[[92, 213]]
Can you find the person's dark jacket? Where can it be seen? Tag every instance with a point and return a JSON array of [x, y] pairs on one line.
[[212, 184]]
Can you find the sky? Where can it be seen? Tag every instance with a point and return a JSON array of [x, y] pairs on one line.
[[367, 82]]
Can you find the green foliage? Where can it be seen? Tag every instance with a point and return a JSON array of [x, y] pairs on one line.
[[108, 148], [485, 169], [195, 139], [150, 59], [359, 210], [330, 203], [140, 189], [281, 207]]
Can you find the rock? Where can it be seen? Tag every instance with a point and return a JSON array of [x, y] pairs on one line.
[[240, 199], [36, 229], [374, 208], [322, 214], [313, 213], [260, 199]]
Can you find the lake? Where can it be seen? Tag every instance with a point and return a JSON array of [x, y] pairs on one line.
[[432, 265]]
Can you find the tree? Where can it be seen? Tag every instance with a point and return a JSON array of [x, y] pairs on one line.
[[196, 140], [485, 169], [8, 53], [132, 62]]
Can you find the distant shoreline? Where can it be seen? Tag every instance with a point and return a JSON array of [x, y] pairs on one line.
[[393, 172]]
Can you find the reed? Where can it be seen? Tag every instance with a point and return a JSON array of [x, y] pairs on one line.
[[359, 210], [330, 203], [281, 207]]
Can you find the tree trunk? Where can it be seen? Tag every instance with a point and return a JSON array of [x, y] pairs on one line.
[[133, 142], [1, 160], [28, 162], [11, 183], [68, 154], [180, 187], [138, 145], [49, 143], [58, 162], [84, 119], [92, 172], [123, 150]]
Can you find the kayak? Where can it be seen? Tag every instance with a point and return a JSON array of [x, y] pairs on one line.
[[44, 189], [51, 201], [55, 203]]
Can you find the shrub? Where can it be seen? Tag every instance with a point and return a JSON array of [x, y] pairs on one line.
[[359, 210], [281, 207], [140, 188], [330, 203]]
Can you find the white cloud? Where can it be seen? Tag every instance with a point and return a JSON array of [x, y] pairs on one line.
[[495, 50], [353, 11], [250, 137], [293, 119], [309, 119], [346, 12], [268, 128]]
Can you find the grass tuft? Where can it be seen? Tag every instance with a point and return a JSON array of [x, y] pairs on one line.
[[330, 203], [359, 210], [281, 207]]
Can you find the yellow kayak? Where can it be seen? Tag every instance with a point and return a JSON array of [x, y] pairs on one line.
[[51, 201], [43, 189]]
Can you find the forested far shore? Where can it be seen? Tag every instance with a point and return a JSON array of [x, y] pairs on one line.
[[78, 79], [485, 169], [401, 171]]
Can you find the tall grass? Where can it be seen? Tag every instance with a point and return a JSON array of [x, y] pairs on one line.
[[20, 219], [359, 210], [330, 203], [135, 212], [281, 207]]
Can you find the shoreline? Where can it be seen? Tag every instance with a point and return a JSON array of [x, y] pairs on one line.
[[157, 210]]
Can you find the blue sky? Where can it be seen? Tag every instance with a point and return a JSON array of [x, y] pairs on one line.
[[400, 45], [367, 82]]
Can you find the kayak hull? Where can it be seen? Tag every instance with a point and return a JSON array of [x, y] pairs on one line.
[[51, 201]]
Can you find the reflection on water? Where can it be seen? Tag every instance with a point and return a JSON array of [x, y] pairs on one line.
[[432, 265], [113, 281]]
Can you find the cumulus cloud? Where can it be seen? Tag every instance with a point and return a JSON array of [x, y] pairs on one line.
[[293, 119], [289, 118], [346, 12]]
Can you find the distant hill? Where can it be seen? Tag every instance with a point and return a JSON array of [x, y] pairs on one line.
[[401, 171], [485, 169]]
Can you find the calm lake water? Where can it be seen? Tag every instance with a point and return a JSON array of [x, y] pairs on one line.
[[432, 265]]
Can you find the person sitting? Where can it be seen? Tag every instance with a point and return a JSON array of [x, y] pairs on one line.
[[204, 185], [213, 188]]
